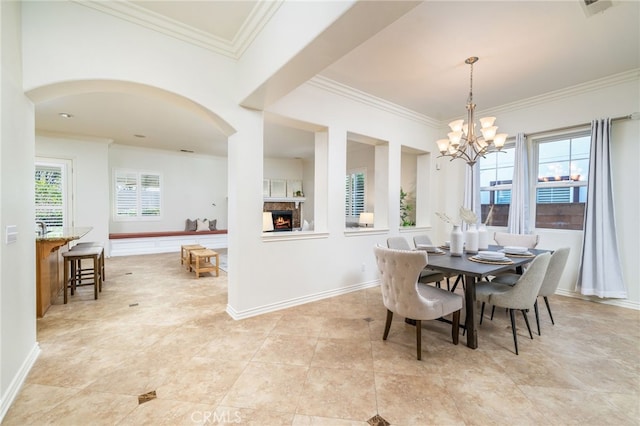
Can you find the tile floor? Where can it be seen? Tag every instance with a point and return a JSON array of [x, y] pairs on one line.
[[159, 335]]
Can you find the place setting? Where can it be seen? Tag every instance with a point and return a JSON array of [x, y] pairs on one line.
[[491, 257], [430, 249], [515, 251]]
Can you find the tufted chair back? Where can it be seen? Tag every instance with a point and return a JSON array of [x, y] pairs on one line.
[[399, 273]]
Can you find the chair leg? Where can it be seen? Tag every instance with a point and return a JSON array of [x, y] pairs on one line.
[[526, 320], [513, 329], [419, 338], [546, 302], [481, 312], [448, 284], [455, 327], [493, 310], [387, 326], [535, 308]]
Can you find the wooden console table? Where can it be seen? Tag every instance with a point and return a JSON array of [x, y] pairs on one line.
[[49, 265]]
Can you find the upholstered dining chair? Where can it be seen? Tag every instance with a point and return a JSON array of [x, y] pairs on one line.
[[402, 294], [424, 239], [521, 296], [427, 275], [549, 284], [520, 240]]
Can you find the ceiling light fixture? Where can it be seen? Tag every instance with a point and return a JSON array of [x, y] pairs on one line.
[[463, 141], [65, 115]]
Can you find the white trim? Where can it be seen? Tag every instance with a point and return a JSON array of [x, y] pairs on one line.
[[238, 315], [255, 22], [568, 92], [18, 380], [621, 303], [370, 100]]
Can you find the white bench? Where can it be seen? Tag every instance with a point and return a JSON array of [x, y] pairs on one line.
[[127, 244]]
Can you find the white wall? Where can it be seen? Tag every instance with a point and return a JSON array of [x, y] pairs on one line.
[[18, 347], [191, 184], [90, 179]]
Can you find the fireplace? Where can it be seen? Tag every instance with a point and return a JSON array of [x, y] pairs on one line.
[[282, 220]]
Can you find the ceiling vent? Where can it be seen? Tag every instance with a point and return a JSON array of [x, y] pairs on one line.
[[591, 7]]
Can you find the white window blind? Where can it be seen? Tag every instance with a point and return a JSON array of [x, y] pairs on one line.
[[49, 191], [354, 194], [137, 194]]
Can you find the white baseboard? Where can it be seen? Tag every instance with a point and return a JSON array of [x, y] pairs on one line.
[[18, 380], [238, 315], [623, 303], [155, 245]]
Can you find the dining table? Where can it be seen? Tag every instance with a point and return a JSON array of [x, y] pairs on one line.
[[474, 271]]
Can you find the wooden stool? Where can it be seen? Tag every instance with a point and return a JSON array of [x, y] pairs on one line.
[[73, 272], [79, 246], [185, 257], [201, 261]]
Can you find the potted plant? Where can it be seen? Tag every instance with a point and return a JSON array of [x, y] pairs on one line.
[[405, 210]]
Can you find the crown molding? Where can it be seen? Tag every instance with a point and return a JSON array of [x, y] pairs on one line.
[[255, 22], [370, 100], [601, 83]]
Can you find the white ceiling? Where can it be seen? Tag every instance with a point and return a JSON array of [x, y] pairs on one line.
[[526, 48]]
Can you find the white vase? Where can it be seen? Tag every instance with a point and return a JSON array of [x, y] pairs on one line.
[[457, 241], [471, 239], [483, 237]]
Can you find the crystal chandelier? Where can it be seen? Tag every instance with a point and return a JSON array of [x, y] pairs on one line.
[[463, 141]]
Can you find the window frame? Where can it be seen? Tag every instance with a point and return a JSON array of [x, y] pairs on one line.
[[535, 167], [139, 198]]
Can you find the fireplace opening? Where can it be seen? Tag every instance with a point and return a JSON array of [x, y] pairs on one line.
[[282, 220]]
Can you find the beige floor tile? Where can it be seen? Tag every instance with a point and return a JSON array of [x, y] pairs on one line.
[[201, 380], [414, 400], [343, 353], [102, 408], [264, 386], [339, 393], [284, 349]]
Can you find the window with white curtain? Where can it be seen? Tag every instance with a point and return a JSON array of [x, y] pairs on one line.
[[355, 194], [496, 178], [138, 195], [562, 165], [51, 193]]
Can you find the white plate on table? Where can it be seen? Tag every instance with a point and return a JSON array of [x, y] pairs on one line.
[[491, 255], [515, 250], [429, 248]]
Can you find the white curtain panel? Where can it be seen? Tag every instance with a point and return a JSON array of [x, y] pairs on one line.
[[600, 271], [471, 199], [519, 208]]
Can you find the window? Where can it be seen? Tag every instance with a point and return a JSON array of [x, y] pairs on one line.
[[137, 195], [561, 188], [496, 176], [50, 194], [355, 190]]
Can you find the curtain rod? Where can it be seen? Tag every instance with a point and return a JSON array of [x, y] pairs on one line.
[[575, 126]]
